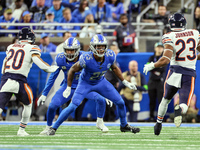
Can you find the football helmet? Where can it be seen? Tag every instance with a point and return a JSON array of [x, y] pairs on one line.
[[26, 34], [71, 44], [177, 22], [96, 40]]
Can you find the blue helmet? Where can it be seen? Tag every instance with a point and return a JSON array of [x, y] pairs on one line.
[[71, 44], [177, 22], [98, 39], [26, 34]]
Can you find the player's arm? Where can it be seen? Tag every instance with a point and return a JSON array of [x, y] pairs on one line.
[[43, 65], [163, 61], [118, 73], [198, 48], [75, 68], [3, 66]]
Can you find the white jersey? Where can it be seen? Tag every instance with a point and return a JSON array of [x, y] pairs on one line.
[[19, 58], [184, 43]]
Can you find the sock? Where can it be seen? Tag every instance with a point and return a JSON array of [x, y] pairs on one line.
[[162, 109], [122, 112], [51, 112], [26, 113], [184, 108], [100, 106], [64, 115]]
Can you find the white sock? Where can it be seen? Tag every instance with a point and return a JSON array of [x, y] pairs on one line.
[[26, 113], [184, 108], [162, 109]]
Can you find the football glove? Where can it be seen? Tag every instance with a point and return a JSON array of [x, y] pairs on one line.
[[41, 100], [148, 67], [129, 85], [67, 92], [108, 102]]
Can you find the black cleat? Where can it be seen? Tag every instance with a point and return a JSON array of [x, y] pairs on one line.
[[157, 128], [51, 131], [177, 115], [129, 128]]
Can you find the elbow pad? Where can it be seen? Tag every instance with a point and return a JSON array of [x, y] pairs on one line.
[[43, 66]]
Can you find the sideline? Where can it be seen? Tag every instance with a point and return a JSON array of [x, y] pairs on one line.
[[43, 123]]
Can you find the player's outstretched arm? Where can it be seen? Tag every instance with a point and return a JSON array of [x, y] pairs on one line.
[[118, 73], [163, 61], [43, 65]]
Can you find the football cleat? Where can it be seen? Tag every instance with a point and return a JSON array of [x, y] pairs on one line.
[[44, 132], [100, 125], [157, 128], [177, 115], [129, 128], [51, 131], [22, 132]]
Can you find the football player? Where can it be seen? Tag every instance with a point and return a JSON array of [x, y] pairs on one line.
[[180, 52], [65, 61], [94, 65], [15, 69]]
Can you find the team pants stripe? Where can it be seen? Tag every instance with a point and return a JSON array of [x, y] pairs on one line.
[[29, 92], [191, 91], [166, 81]]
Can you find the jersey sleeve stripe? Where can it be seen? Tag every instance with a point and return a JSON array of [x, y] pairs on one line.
[[36, 49]]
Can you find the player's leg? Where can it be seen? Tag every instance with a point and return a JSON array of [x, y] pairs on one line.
[[79, 95], [57, 101], [169, 92], [107, 90], [185, 96], [4, 97], [25, 95], [100, 109]]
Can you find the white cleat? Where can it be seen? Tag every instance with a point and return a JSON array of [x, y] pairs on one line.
[[44, 132], [22, 132], [100, 125], [177, 116]]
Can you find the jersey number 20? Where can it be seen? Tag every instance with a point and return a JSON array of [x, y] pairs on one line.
[[180, 41], [18, 59]]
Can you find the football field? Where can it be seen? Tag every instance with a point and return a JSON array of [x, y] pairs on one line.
[[73, 135]]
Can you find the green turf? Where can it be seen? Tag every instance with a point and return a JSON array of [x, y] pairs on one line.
[[88, 137]]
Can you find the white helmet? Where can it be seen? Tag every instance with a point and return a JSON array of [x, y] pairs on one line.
[[98, 39], [71, 44]]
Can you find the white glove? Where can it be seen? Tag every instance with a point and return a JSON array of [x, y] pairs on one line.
[[109, 103], [41, 100], [52, 68], [67, 92], [129, 85], [148, 67]]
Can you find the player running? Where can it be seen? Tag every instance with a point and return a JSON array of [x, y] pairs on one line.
[[95, 64], [180, 52], [16, 66], [65, 60]]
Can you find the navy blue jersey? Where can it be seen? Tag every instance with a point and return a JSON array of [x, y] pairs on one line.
[[94, 71], [63, 65]]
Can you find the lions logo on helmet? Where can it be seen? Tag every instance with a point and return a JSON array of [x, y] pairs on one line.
[[72, 45], [177, 22], [26, 34], [97, 40]]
